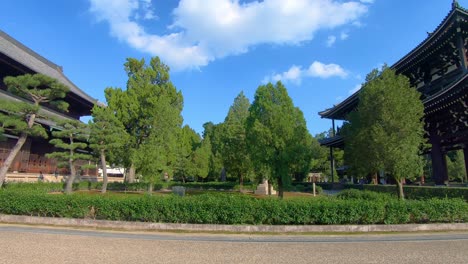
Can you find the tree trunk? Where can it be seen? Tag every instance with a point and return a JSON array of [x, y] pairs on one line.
[[280, 187], [401, 194], [71, 178], [150, 188], [104, 171], [131, 174], [269, 188], [15, 150], [241, 182], [11, 157]]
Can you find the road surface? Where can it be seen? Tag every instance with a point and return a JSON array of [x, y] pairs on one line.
[[30, 244]]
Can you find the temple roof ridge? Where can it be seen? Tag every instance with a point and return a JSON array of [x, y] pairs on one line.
[[37, 63]]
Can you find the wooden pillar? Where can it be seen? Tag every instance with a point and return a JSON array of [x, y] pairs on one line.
[[333, 128], [439, 164], [332, 165]]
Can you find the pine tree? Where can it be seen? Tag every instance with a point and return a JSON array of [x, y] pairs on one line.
[[19, 118], [70, 139], [107, 135]]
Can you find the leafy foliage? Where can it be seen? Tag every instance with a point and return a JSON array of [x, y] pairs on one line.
[[386, 131], [456, 166], [19, 118], [234, 150], [219, 208], [150, 110], [69, 141], [107, 135], [277, 135]]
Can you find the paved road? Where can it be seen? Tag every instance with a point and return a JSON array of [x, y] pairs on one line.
[[27, 244]]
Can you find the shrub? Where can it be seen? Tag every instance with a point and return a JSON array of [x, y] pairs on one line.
[[422, 192], [363, 195], [232, 208]]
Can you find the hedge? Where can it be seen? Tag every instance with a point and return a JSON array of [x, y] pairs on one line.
[[221, 208], [418, 192]]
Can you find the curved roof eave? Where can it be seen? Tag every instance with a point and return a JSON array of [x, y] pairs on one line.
[[328, 113], [30, 59]]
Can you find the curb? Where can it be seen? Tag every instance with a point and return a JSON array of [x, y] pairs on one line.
[[145, 226]]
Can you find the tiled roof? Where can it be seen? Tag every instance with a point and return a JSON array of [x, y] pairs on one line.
[[27, 57]]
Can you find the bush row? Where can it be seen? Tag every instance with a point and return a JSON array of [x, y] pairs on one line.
[[124, 186], [222, 208], [418, 192]]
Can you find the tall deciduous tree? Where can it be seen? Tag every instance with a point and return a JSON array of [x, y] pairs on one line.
[[213, 133], [386, 131], [192, 155], [107, 135], [234, 151], [276, 132], [150, 110], [69, 141], [19, 117]]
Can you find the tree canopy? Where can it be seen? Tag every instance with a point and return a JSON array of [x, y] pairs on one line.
[[107, 135], [234, 151], [386, 131], [277, 135], [19, 118], [150, 110], [70, 142]]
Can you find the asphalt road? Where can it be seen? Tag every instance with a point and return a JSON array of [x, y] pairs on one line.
[[28, 244]]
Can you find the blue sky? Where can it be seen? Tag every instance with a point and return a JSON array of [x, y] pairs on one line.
[[321, 49]]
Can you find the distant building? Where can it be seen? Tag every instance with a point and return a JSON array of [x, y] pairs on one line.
[[438, 68], [17, 59]]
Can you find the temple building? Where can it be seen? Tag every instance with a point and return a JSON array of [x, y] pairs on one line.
[[17, 59], [438, 69]]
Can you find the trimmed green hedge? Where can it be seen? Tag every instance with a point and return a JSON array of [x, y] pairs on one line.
[[417, 192], [220, 208]]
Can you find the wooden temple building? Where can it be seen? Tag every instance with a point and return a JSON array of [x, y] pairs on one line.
[[438, 69], [17, 59]]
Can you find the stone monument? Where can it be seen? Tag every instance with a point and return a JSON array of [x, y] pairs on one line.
[[262, 189]]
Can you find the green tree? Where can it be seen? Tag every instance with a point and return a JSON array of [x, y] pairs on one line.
[[234, 151], [213, 134], [19, 118], [150, 110], [193, 155], [386, 131], [107, 134], [276, 132], [456, 166], [71, 138]]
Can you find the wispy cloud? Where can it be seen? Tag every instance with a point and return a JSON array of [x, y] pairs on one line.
[[321, 70], [331, 40], [344, 36], [295, 74], [205, 30]]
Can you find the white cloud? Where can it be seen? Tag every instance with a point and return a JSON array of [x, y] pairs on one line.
[[344, 36], [205, 30], [367, 1], [355, 89], [331, 40], [295, 74], [318, 69]]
